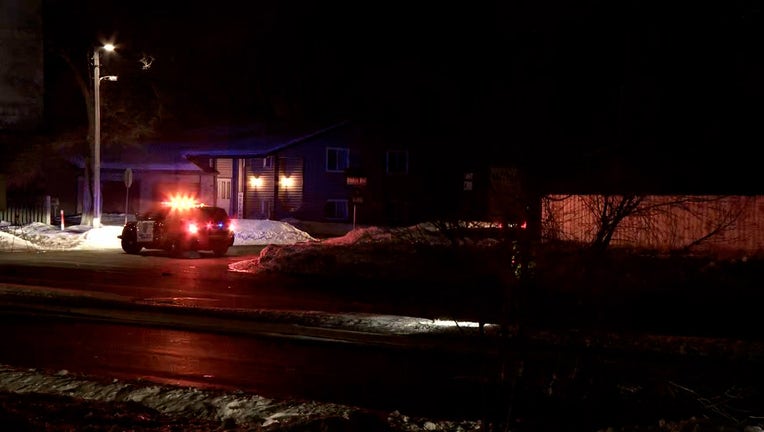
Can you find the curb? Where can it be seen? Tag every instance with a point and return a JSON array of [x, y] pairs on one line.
[[23, 300]]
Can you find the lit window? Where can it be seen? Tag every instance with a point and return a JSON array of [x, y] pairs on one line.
[[336, 209], [337, 159], [397, 162]]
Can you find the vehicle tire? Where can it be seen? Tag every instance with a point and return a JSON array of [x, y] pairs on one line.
[[131, 246], [219, 251], [176, 248]]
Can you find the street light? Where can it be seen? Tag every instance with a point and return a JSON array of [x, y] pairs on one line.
[[97, 130]]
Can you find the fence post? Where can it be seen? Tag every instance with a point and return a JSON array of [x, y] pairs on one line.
[[47, 210]]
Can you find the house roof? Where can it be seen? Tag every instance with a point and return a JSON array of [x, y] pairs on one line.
[[192, 151], [254, 146], [145, 160]]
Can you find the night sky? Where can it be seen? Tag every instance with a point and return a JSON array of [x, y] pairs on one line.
[[665, 87]]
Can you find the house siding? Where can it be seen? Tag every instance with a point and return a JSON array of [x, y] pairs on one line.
[[313, 186], [289, 198], [258, 200], [383, 198], [224, 167], [318, 185]]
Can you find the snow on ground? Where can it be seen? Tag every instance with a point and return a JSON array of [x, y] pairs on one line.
[[40, 236], [243, 409]]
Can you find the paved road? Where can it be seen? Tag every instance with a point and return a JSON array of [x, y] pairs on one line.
[[383, 377], [124, 315], [193, 322], [207, 282], [155, 277]]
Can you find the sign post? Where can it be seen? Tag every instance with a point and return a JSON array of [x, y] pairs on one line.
[[128, 183], [357, 182], [357, 199]]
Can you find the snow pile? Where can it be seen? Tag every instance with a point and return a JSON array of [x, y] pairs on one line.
[[238, 408], [171, 400], [333, 254], [38, 235], [417, 234], [43, 237], [419, 252], [259, 232], [11, 242]]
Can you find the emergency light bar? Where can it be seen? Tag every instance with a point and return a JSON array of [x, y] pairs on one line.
[[182, 202]]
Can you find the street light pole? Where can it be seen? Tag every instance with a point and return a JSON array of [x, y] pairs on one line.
[[97, 138], [97, 131]]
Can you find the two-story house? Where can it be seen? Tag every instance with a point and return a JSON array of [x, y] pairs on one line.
[[332, 174]]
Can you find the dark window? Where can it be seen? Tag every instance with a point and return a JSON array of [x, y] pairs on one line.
[[397, 162], [268, 162], [337, 159], [336, 209]]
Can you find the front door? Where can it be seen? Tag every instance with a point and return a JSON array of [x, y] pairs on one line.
[[224, 194]]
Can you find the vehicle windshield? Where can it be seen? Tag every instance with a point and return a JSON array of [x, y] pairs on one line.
[[214, 213]]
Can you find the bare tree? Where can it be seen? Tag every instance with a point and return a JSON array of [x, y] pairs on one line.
[[85, 90], [675, 222], [610, 211], [726, 213], [500, 210], [130, 116]]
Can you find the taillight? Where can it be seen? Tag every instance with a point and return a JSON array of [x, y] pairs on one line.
[[220, 225], [192, 228]]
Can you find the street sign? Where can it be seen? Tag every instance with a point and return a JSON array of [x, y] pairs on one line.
[[128, 177], [356, 181]]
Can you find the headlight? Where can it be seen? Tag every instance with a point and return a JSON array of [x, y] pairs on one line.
[[192, 228]]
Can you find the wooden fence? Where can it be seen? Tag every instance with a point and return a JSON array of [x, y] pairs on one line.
[[721, 223], [38, 210]]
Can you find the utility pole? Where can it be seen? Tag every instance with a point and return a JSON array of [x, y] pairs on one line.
[[97, 131]]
